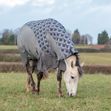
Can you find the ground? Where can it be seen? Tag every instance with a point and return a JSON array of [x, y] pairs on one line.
[[94, 91], [94, 94], [96, 58]]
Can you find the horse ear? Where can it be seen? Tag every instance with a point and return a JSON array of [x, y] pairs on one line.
[[82, 64]]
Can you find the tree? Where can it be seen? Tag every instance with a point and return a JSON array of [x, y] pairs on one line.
[[5, 37], [89, 39], [12, 39], [8, 37], [86, 39], [103, 37], [76, 37], [83, 39], [0, 38]]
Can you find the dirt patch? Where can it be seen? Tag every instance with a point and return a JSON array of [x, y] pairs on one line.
[[11, 67], [91, 69], [10, 57], [18, 67], [5, 51]]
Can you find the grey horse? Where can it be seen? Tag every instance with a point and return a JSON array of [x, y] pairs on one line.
[[49, 46]]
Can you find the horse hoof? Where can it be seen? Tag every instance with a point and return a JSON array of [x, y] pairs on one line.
[[38, 91], [60, 95], [34, 90]]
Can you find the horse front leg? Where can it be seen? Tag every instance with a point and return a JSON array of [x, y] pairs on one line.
[[59, 79], [39, 77], [30, 80]]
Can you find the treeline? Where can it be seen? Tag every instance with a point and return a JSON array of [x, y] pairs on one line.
[[103, 38], [9, 37], [77, 38]]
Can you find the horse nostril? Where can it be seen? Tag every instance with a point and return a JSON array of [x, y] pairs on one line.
[[70, 95], [67, 93], [72, 77]]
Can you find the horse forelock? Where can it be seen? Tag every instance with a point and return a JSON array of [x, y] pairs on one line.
[[74, 61]]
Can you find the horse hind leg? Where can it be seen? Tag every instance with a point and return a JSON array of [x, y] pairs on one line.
[[59, 79], [34, 63], [30, 80]]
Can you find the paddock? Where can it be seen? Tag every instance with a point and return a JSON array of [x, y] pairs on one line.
[[94, 94], [94, 90]]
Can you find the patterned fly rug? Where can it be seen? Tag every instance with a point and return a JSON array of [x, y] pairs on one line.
[[47, 41]]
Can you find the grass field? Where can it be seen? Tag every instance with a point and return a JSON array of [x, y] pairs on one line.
[[83, 46], [94, 94], [87, 58], [96, 58], [15, 47], [8, 47]]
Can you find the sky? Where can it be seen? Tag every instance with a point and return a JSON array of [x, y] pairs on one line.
[[89, 16]]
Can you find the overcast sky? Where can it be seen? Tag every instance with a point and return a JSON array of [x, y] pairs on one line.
[[89, 16]]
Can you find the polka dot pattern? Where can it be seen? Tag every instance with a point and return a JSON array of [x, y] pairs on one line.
[[56, 30]]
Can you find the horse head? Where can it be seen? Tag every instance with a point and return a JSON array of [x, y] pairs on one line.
[[72, 73]]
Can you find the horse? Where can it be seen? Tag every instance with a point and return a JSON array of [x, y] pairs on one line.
[[47, 45]]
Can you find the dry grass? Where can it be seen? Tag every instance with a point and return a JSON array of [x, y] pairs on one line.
[[87, 58], [18, 67], [8, 47], [96, 58]]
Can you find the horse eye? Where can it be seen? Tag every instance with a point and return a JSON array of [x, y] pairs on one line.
[[72, 77]]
